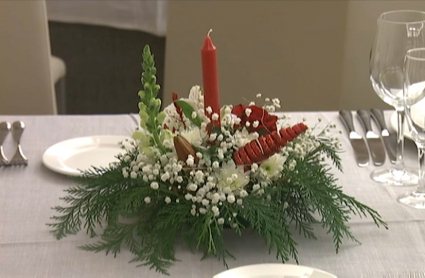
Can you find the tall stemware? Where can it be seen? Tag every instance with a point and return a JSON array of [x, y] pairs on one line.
[[398, 31], [414, 103]]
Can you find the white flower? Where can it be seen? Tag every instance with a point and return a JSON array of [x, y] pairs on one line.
[[133, 175], [243, 193], [192, 186], [188, 196], [248, 112], [231, 198], [215, 164], [147, 200], [215, 210], [243, 137], [214, 117], [220, 221], [273, 166], [258, 95], [154, 185], [205, 202], [193, 136], [167, 200], [165, 176], [209, 110], [190, 161], [228, 170]]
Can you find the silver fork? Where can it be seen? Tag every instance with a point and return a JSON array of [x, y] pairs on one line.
[[19, 158], [4, 131]]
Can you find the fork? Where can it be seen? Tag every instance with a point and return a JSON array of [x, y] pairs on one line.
[[19, 158], [4, 130]]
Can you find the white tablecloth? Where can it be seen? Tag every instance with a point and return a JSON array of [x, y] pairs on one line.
[[27, 249], [148, 16]]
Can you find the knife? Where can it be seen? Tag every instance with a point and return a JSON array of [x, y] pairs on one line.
[[357, 142], [376, 147], [390, 139]]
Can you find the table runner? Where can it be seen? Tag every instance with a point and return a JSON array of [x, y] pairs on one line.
[[27, 249]]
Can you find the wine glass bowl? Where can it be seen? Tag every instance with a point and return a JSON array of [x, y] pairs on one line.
[[414, 97], [397, 32]]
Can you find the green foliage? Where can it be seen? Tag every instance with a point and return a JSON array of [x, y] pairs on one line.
[[104, 198], [149, 105], [188, 110]]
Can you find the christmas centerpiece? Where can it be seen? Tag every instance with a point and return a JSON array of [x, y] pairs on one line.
[[196, 169]]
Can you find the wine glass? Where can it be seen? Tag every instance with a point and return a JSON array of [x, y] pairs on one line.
[[398, 31], [414, 103]]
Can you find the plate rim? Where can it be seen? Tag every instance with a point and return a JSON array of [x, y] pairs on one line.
[[76, 173], [269, 265]]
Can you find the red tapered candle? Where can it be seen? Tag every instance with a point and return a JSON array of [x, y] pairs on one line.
[[210, 79]]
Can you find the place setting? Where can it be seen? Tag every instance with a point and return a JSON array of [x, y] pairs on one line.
[[74, 156], [397, 77]]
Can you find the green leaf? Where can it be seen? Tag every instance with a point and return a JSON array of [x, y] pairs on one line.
[[187, 111]]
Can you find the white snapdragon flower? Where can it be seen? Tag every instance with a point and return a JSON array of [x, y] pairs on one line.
[[230, 170], [273, 166]]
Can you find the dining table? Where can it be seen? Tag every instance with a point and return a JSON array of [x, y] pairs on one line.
[[28, 194]]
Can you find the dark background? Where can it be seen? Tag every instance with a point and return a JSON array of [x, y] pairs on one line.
[[103, 66]]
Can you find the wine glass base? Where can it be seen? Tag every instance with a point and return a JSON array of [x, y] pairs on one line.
[[394, 177], [413, 199]]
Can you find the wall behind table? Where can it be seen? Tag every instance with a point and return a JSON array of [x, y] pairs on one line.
[[362, 16], [286, 49], [313, 55]]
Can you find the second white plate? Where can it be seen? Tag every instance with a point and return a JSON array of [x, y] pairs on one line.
[[72, 156]]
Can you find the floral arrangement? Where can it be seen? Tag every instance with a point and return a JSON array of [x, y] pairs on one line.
[[190, 173]]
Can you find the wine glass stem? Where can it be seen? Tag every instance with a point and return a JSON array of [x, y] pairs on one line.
[[421, 158], [400, 140]]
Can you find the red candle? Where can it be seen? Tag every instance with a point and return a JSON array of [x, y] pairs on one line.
[[210, 79]]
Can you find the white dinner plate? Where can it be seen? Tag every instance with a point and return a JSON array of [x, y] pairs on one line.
[[418, 112], [274, 271], [72, 156]]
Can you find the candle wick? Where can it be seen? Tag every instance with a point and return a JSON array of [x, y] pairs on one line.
[[209, 32]]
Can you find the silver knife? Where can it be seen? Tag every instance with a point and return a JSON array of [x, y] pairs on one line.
[[390, 139], [376, 147], [359, 145]]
